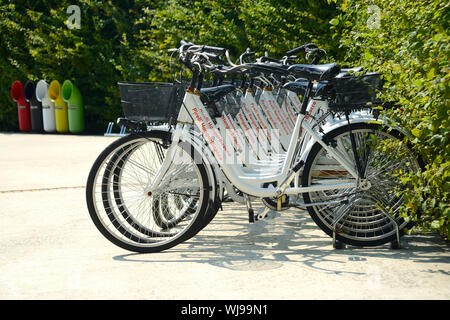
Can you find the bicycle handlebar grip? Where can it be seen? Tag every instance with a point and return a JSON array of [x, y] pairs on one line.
[[183, 43], [301, 48], [216, 50]]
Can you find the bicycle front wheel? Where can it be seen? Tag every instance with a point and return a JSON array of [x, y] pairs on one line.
[[127, 214], [367, 215]]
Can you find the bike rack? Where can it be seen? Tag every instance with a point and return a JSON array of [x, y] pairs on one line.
[[340, 215], [395, 244], [109, 132]]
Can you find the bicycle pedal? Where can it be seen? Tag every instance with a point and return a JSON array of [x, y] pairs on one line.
[[262, 214]]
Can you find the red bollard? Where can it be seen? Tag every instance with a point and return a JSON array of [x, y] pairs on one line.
[[23, 106]]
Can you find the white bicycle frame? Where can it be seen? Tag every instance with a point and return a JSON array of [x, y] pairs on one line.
[[266, 138], [253, 117], [250, 182]]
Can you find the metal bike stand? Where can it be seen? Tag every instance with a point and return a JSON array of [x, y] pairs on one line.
[[395, 244], [109, 132], [337, 244], [340, 215]]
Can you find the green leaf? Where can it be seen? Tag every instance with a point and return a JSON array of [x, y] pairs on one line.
[[430, 74], [418, 82], [416, 132], [334, 21], [368, 56], [435, 224]]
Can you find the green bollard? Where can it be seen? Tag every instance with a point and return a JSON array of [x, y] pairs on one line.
[[72, 96], [54, 92]]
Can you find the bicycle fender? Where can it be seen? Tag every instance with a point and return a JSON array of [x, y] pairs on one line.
[[213, 170], [359, 117], [356, 117]]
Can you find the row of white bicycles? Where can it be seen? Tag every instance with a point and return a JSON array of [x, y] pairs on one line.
[[307, 136]]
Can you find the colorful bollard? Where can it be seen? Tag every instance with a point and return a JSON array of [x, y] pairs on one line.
[[61, 117], [72, 96], [48, 107], [35, 106], [23, 107]]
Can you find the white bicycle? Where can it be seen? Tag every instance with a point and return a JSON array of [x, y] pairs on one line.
[[151, 190]]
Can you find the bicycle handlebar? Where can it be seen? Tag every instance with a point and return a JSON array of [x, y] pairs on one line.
[[318, 54], [204, 48], [215, 50], [210, 57], [301, 48], [185, 43]]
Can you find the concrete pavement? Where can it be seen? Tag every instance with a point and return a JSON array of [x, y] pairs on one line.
[[50, 249]]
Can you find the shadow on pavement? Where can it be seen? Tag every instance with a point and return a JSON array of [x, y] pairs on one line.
[[231, 242]]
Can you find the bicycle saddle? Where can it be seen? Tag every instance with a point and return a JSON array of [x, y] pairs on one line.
[[320, 72], [299, 86], [213, 94]]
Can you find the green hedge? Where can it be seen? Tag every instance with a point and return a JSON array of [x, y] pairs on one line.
[[408, 42]]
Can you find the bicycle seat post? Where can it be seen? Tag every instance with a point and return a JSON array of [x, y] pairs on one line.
[[306, 97], [193, 82], [199, 83]]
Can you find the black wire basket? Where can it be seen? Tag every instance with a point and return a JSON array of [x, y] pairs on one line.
[[151, 101], [354, 90]]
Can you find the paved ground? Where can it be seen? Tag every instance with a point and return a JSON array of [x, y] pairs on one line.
[[50, 249]]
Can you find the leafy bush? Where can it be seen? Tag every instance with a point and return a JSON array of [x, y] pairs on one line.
[[408, 42]]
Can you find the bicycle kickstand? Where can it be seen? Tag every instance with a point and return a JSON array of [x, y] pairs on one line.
[[251, 212], [252, 217]]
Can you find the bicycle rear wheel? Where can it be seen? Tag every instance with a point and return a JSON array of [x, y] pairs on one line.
[[126, 214], [371, 215]]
